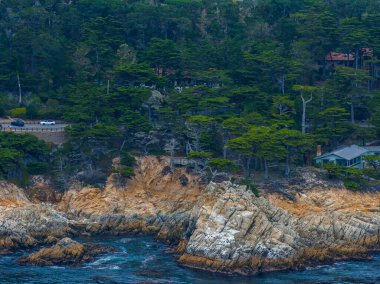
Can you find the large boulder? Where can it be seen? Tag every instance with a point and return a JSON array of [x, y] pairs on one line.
[[231, 230], [65, 252]]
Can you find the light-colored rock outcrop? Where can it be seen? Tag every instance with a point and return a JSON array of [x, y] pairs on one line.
[[24, 224], [150, 202], [65, 252], [236, 231], [220, 227]]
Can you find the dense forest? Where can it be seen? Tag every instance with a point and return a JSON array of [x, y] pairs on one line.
[[242, 86]]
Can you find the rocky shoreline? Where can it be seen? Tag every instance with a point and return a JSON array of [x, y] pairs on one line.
[[220, 227], [65, 252]]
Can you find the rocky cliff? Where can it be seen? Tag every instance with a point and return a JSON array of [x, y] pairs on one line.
[[221, 227], [153, 201], [26, 224], [236, 231]]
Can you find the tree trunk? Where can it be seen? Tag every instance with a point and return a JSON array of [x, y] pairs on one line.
[[287, 168], [249, 166], [225, 149], [266, 175], [150, 114], [323, 100], [303, 117], [224, 152], [19, 89], [304, 104], [352, 107], [281, 80], [246, 166], [357, 58]]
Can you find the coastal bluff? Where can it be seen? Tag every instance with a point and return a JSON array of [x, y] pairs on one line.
[[221, 227]]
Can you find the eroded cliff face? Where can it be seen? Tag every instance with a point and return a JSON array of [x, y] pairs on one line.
[[152, 201], [25, 224], [220, 227], [238, 232]]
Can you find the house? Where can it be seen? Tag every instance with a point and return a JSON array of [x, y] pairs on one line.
[[340, 58], [348, 156]]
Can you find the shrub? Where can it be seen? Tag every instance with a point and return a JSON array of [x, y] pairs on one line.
[[126, 171], [127, 162], [222, 165], [127, 159], [18, 112], [37, 168], [350, 184], [250, 186], [333, 170]]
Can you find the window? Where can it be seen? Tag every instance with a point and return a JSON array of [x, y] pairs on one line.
[[355, 161], [341, 162]]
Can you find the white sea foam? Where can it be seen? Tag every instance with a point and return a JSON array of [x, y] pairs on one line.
[[57, 267], [125, 240]]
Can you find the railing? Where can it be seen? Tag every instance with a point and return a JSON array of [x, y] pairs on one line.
[[33, 129], [183, 161], [27, 121]]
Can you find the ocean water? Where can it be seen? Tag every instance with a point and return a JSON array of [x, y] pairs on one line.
[[143, 260]]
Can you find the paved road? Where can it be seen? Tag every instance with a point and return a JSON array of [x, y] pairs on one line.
[[35, 127]]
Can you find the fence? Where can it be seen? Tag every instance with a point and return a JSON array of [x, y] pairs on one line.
[[27, 121], [183, 161], [49, 135], [33, 129]]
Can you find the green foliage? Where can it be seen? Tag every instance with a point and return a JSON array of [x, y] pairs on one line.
[[333, 170], [21, 155], [199, 155], [136, 73], [127, 159], [230, 75], [250, 186], [222, 165], [10, 160], [352, 184], [333, 124], [99, 132], [126, 171], [352, 177], [18, 112], [241, 145], [235, 125], [373, 161], [200, 120], [127, 163], [162, 53], [38, 168]]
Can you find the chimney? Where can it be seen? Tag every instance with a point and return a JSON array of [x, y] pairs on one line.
[[319, 150]]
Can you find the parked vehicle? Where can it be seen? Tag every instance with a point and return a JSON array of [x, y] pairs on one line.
[[18, 123], [47, 122]]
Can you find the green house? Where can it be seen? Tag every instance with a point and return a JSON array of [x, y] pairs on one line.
[[348, 156]]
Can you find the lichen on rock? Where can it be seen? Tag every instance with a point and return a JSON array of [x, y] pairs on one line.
[[220, 227]]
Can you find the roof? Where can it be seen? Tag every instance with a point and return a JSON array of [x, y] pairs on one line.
[[340, 56], [347, 153], [367, 51], [373, 148]]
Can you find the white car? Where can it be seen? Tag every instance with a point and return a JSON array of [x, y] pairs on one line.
[[47, 122]]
